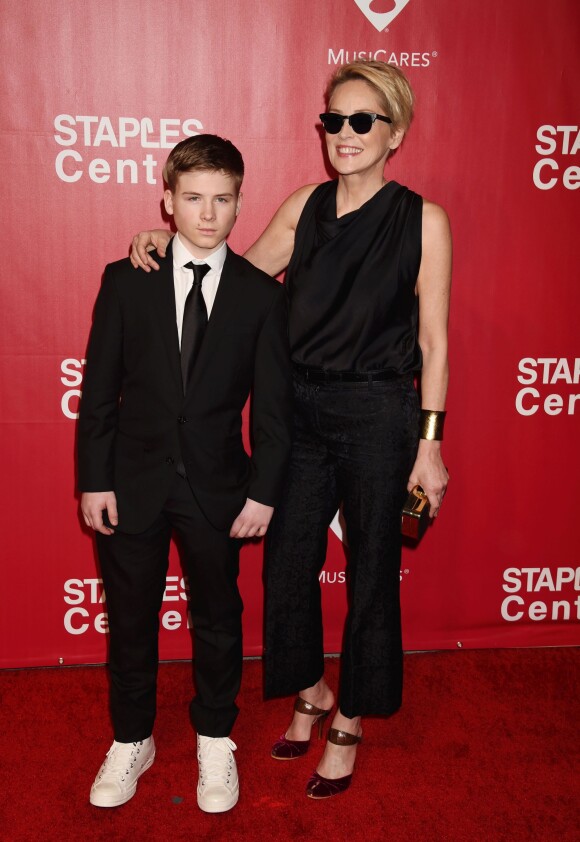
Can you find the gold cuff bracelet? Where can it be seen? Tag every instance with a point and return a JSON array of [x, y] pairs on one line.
[[432, 422]]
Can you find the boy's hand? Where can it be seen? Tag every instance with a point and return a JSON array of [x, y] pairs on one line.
[[92, 505], [143, 243], [252, 521]]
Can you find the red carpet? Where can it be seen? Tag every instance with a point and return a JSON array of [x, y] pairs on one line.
[[485, 748]]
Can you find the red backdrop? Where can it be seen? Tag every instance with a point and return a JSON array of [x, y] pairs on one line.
[[93, 99]]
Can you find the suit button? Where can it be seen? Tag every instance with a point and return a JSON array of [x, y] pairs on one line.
[[182, 419], [170, 460]]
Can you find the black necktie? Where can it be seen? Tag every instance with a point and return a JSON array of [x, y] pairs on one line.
[[194, 321]]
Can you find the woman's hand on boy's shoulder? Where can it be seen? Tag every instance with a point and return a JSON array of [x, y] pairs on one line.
[[146, 241]]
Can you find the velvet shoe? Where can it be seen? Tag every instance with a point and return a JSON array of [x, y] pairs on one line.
[[320, 787], [285, 749]]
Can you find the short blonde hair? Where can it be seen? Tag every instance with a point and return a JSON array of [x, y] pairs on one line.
[[389, 84]]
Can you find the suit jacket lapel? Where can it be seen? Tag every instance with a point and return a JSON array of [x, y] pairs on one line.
[[164, 299]]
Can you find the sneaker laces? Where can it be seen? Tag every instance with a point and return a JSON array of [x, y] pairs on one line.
[[215, 756], [121, 758]]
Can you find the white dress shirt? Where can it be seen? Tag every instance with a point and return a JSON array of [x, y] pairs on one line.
[[183, 278]]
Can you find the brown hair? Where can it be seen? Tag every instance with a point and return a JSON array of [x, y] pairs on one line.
[[389, 84], [204, 152]]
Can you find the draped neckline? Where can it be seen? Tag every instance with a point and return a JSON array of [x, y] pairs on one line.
[[327, 221]]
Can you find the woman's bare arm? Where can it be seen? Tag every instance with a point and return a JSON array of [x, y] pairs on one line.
[[273, 249], [433, 288]]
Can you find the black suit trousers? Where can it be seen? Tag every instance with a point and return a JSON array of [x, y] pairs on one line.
[[134, 569]]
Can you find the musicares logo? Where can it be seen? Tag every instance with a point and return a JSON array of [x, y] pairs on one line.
[[381, 12]]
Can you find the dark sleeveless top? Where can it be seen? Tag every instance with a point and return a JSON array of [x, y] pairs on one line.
[[351, 283]]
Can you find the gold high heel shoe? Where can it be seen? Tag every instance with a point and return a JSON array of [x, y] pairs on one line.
[[285, 749]]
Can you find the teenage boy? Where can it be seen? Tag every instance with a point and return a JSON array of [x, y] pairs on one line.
[[170, 364]]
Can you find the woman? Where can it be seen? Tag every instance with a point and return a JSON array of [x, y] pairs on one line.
[[368, 276]]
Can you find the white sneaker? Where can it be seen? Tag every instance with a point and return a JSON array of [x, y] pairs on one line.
[[218, 788], [117, 779]]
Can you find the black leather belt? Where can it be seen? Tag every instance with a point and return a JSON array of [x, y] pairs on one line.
[[321, 375]]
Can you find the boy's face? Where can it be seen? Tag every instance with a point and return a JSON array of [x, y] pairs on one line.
[[205, 205]]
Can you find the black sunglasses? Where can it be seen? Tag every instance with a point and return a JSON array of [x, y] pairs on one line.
[[361, 123]]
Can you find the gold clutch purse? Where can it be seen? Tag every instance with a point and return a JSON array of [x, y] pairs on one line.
[[415, 515]]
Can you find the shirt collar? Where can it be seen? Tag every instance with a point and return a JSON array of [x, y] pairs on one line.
[[181, 256]]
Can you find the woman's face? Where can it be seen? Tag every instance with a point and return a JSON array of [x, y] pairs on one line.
[[351, 153]]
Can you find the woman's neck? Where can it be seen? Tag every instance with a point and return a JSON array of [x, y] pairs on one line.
[[356, 189]]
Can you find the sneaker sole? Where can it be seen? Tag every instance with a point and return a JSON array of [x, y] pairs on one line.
[[110, 801]]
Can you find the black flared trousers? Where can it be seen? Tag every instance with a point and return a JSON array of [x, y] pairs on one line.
[[355, 444], [134, 569]]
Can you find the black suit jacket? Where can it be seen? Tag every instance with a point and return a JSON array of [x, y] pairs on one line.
[[135, 423]]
